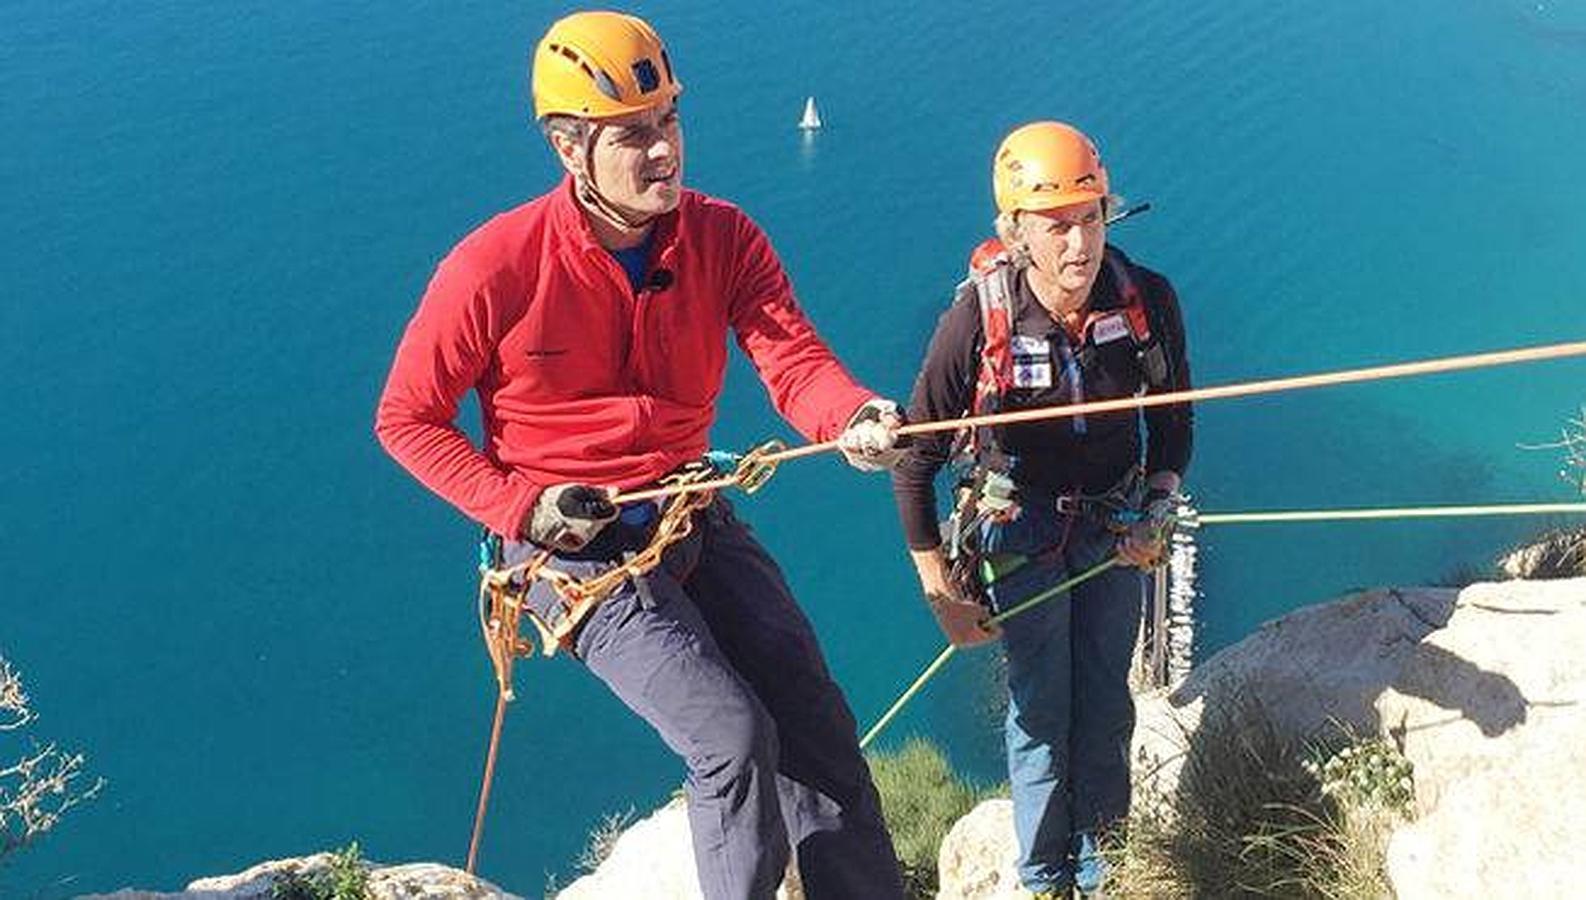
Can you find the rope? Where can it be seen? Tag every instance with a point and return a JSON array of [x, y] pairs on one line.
[[751, 472], [1243, 389], [1402, 512], [1197, 519], [998, 619], [490, 774]]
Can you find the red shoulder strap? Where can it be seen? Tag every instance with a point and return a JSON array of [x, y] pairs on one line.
[[1133, 298], [992, 275]]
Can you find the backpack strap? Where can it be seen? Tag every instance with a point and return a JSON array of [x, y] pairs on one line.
[[991, 274], [994, 294], [1148, 345]]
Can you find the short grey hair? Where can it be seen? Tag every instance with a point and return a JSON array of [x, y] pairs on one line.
[[1011, 232], [571, 127]]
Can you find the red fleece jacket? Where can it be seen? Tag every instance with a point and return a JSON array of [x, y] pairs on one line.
[[580, 379]]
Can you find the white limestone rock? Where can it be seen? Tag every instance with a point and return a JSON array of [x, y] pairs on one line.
[[654, 859], [1485, 691], [1316, 665], [1493, 715], [401, 882], [977, 858]]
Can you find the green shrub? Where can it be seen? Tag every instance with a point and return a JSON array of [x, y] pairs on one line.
[[1369, 773], [344, 877], [921, 797]]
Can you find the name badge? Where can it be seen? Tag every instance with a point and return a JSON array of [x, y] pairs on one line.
[[1110, 329], [1032, 361]]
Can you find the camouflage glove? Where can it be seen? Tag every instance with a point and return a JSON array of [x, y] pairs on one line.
[[1145, 543], [870, 442], [568, 516]]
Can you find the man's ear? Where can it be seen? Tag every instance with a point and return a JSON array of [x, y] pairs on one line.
[[569, 153]]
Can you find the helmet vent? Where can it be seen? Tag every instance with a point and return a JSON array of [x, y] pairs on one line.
[[667, 64], [645, 76], [601, 79], [607, 86]]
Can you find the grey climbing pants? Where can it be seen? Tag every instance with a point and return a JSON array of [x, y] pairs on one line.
[[711, 649]]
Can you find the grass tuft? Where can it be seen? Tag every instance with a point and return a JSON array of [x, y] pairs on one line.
[[1259, 815], [921, 797], [604, 839]]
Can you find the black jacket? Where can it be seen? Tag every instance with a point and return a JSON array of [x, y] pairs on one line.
[[1054, 456]]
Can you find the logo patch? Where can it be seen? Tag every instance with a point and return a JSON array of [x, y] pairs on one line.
[[1110, 329], [1032, 361]]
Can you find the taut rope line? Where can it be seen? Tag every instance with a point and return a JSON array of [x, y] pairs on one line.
[[1243, 389], [1402, 512]]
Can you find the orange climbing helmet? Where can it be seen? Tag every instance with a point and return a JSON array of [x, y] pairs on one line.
[[596, 65], [1045, 165]]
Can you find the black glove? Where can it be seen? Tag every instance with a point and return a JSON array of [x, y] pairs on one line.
[[568, 516]]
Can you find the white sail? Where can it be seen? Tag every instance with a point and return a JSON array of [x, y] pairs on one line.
[[812, 116]]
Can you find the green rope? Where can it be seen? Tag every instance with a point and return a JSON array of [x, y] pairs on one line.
[[998, 619], [1402, 512], [1214, 519]]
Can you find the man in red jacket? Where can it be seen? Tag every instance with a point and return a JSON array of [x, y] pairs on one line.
[[592, 322]]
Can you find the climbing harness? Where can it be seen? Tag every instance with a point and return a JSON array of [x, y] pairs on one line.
[[1116, 509], [504, 590], [987, 496]]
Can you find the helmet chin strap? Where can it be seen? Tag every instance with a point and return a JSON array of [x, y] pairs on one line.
[[595, 201]]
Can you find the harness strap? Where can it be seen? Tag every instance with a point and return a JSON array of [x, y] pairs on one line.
[[504, 590]]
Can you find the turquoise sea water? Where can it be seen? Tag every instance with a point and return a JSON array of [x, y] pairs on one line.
[[218, 218]]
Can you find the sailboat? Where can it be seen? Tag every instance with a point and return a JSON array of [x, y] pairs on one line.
[[812, 116]]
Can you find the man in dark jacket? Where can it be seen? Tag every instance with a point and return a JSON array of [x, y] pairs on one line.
[[1058, 317]]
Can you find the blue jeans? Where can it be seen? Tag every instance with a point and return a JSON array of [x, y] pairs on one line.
[[1070, 713], [711, 649]]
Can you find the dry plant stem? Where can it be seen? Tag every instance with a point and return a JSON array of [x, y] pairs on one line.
[[37, 789], [35, 792], [14, 709]]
